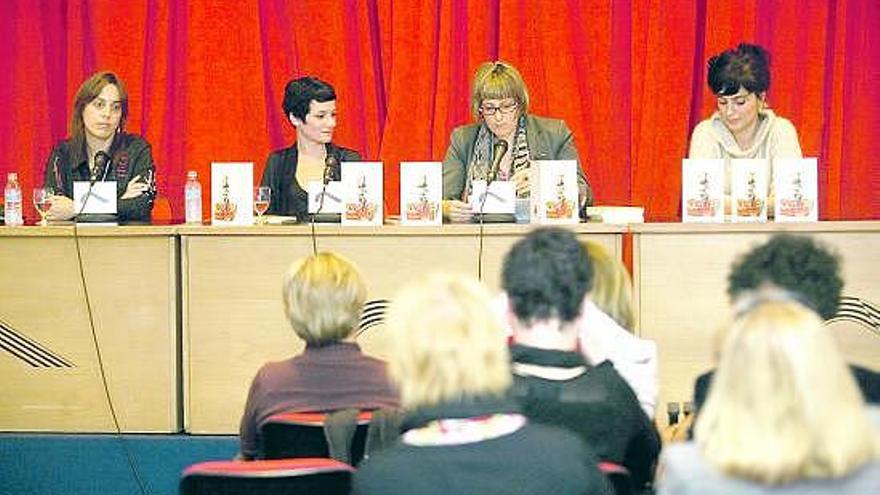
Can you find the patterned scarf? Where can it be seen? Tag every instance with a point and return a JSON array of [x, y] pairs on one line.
[[481, 159]]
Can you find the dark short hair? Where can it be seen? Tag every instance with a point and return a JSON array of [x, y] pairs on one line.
[[546, 275], [747, 66], [797, 264], [299, 94]]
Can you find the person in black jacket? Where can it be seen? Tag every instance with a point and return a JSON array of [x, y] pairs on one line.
[[310, 105], [99, 149], [803, 267], [546, 278]]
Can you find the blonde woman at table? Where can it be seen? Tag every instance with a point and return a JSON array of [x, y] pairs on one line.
[[99, 149], [500, 105], [743, 125]]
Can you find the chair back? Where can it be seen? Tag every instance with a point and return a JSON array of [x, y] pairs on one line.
[[308, 476], [619, 477], [303, 434]]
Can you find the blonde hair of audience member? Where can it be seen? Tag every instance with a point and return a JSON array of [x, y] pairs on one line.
[[783, 405], [448, 345], [612, 286], [496, 81], [324, 295]]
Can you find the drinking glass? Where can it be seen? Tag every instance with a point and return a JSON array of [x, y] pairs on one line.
[[43, 203], [262, 197]]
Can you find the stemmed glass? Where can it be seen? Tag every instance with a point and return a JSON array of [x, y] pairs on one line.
[[43, 203], [262, 197]]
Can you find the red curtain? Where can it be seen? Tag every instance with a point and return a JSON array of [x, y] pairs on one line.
[[206, 80]]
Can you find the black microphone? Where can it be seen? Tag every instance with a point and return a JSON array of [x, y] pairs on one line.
[[498, 152], [102, 162], [331, 169]]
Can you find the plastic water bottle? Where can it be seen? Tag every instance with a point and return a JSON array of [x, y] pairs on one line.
[[12, 196], [193, 193]]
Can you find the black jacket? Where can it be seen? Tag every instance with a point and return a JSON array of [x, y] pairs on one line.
[[130, 157], [288, 196]]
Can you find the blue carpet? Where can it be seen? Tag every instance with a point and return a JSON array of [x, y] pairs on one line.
[[37, 464]]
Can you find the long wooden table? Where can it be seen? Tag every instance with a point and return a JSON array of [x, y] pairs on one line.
[[680, 278], [185, 315], [49, 374]]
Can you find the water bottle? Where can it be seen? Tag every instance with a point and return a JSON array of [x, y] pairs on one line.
[[193, 193], [12, 195]]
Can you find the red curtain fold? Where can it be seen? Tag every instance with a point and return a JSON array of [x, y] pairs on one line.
[[206, 80]]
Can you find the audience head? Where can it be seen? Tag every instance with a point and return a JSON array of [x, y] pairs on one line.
[[499, 96], [310, 105], [447, 343], [783, 405], [546, 276], [324, 295], [612, 287], [797, 264], [745, 67], [100, 108]]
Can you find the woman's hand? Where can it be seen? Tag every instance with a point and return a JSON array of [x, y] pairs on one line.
[[457, 211], [62, 208], [136, 187]]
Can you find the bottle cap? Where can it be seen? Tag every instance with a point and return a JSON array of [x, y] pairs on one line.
[[12, 176], [192, 174]]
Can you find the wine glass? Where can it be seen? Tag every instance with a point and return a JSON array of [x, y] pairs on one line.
[[43, 203], [262, 197]]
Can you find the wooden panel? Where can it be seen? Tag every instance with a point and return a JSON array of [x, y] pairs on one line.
[[131, 279], [233, 315], [681, 278]]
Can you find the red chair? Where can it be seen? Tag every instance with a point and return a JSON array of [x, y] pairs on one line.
[[302, 434], [619, 477], [281, 476]]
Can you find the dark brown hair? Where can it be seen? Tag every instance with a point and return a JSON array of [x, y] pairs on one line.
[[90, 90]]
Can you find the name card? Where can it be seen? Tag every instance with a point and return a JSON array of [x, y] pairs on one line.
[[99, 199], [499, 198], [232, 193], [362, 193], [325, 199], [421, 193], [702, 190]]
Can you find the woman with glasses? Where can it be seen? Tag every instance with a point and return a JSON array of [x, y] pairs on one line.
[[500, 104], [743, 126], [99, 149]]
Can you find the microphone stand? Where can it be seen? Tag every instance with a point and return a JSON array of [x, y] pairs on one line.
[[498, 150], [330, 163]]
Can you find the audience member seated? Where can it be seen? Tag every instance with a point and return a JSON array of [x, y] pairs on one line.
[[784, 414], [799, 265], [463, 433], [606, 329], [323, 297], [546, 277]]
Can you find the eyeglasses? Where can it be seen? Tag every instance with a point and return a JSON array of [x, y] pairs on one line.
[[505, 109]]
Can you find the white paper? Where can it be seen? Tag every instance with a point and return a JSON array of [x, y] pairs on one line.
[[702, 190], [325, 200], [100, 199], [749, 179], [501, 197], [795, 181], [362, 193], [232, 193], [554, 192], [421, 193]]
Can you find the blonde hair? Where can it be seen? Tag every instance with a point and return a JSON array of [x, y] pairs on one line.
[[497, 80], [783, 405], [448, 345], [323, 295], [612, 285]]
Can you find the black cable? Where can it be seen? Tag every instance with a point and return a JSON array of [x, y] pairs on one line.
[[117, 429]]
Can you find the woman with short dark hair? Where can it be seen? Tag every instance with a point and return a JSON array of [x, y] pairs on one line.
[[310, 106]]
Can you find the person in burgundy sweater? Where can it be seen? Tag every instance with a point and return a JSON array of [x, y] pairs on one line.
[[323, 297]]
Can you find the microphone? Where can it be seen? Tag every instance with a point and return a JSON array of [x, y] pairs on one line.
[[498, 152], [331, 169], [102, 162], [332, 172]]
